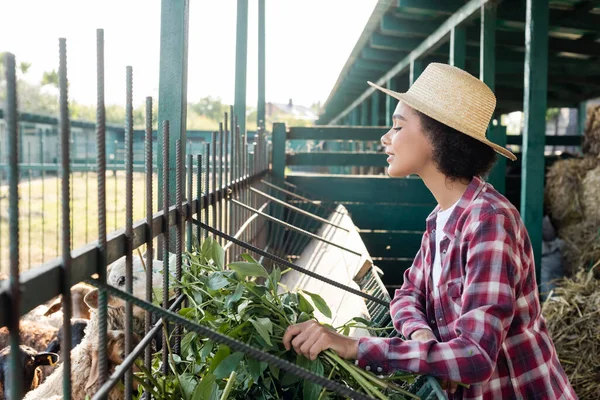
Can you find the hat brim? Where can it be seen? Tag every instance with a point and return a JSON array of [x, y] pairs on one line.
[[417, 105]]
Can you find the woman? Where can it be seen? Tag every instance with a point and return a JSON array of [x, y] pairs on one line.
[[469, 304]]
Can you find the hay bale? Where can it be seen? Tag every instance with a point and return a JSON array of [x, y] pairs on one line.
[[591, 140], [582, 245], [563, 189], [590, 195], [572, 313]]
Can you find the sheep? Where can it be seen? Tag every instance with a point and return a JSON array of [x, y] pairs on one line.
[[78, 326], [32, 334], [31, 361], [84, 358]]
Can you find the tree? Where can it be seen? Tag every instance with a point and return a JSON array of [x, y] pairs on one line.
[[50, 78]]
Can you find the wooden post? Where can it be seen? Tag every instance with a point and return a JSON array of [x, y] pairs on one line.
[[279, 137], [458, 47], [375, 108], [416, 68], [534, 135], [241, 59], [261, 63], [172, 86]]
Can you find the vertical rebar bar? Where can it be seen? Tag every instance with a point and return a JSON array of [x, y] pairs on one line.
[[165, 244], [16, 366], [149, 233], [178, 231], [219, 225], [29, 210], [190, 200], [42, 160], [57, 197], [66, 220], [101, 171], [214, 183], [72, 175], [128, 222], [206, 184], [200, 199], [87, 189], [226, 184], [230, 180], [116, 184]]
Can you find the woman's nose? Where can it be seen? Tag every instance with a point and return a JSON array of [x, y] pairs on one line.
[[385, 139]]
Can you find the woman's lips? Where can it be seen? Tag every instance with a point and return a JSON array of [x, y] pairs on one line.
[[390, 158]]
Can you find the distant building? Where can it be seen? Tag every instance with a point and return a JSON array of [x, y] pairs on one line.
[[290, 110]]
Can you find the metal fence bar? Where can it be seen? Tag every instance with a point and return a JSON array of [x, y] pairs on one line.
[[29, 210], [190, 191], [16, 367], [102, 243], [128, 223], [293, 228], [178, 232], [221, 181], [199, 197], [214, 181], [224, 202], [66, 345], [206, 184], [165, 243], [149, 233]]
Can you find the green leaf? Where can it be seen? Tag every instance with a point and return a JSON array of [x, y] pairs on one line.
[[303, 317], [217, 281], [187, 344], [274, 278], [219, 356], [364, 321], [248, 258], [235, 296], [248, 269], [289, 379], [217, 254], [253, 368], [310, 390], [228, 364], [188, 384], [264, 327], [304, 305], [319, 303], [198, 297], [206, 390]]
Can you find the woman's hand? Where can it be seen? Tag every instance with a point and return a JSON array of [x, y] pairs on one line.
[[425, 335], [311, 338]]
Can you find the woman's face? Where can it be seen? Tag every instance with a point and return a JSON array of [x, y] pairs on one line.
[[408, 149]]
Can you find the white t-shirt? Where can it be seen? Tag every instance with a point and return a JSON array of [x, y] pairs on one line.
[[442, 218]]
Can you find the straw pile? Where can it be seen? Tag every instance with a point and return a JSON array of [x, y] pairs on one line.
[[572, 313], [591, 142], [564, 187], [590, 196], [582, 246]]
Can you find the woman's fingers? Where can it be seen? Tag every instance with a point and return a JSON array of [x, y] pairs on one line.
[[295, 334]]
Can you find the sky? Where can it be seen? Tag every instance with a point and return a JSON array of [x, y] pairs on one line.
[[307, 45]]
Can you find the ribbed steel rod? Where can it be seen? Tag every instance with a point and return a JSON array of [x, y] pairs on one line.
[[178, 231], [165, 242], [42, 142], [206, 184], [190, 210], [16, 384], [65, 133], [199, 197], [299, 210], [293, 228], [226, 181], [214, 183], [29, 210], [101, 168], [231, 179], [220, 183], [149, 233], [129, 222]]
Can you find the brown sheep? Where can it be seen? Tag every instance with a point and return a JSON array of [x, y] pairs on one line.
[[31, 361]]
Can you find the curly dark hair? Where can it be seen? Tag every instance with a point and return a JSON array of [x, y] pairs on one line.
[[457, 155]]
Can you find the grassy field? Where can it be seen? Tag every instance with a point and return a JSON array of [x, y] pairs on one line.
[[39, 215]]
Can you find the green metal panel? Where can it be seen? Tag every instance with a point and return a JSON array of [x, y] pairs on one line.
[[342, 158], [410, 217], [241, 60], [392, 244], [487, 59], [582, 115], [534, 107], [261, 62], [172, 86], [390, 102], [497, 178], [375, 108], [364, 113], [434, 6], [393, 269], [335, 133], [383, 55], [279, 137], [364, 189], [355, 117], [416, 69], [391, 25], [458, 47], [382, 42]]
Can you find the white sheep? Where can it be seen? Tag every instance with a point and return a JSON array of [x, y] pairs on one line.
[[84, 358]]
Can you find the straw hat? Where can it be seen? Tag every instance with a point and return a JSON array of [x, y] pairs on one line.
[[455, 98]]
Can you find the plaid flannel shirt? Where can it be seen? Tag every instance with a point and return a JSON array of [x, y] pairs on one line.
[[486, 315]]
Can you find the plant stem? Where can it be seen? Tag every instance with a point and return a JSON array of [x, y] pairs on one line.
[[229, 385]]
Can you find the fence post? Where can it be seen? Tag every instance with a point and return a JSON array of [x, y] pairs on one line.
[[172, 95], [241, 58], [279, 136], [261, 64]]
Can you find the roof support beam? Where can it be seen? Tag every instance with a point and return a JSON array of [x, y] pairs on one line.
[[393, 26], [383, 42], [430, 6], [458, 46], [435, 40], [534, 129], [416, 69]]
